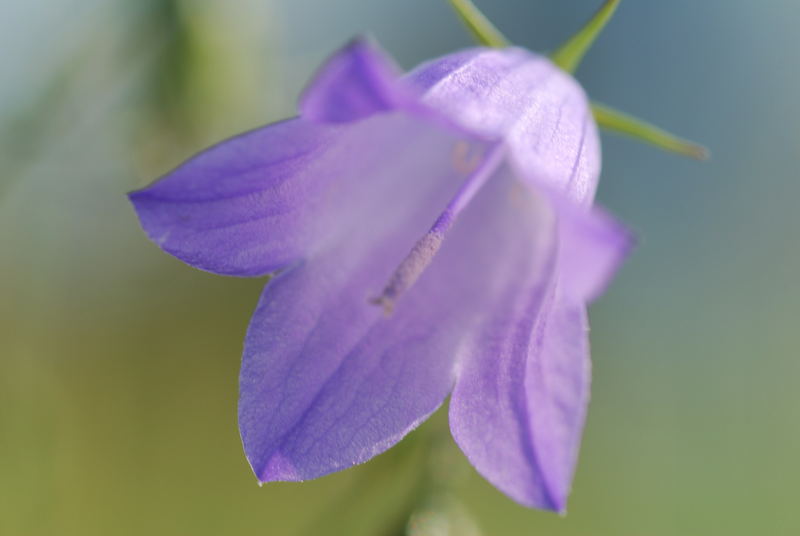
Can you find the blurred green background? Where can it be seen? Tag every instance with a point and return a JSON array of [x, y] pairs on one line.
[[118, 364]]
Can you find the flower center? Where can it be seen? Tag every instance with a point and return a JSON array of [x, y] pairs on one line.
[[480, 168]]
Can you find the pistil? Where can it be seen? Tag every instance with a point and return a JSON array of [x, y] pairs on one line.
[[423, 252]]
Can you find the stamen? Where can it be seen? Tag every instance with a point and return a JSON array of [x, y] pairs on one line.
[[426, 247], [409, 270]]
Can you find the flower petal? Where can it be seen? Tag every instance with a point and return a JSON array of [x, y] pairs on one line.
[[357, 82], [518, 410], [260, 201], [593, 247], [245, 206], [328, 380], [252, 204], [521, 97], [556, 390], [519, 404]]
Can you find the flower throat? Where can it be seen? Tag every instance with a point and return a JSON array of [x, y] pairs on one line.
[[480, 168]]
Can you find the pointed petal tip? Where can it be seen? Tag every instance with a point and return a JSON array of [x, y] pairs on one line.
[[560, 508], [364, 43], [358, 81], [542, 496], [277, 468], [556, 501], [557, 495], [550, 500], [134, 195]]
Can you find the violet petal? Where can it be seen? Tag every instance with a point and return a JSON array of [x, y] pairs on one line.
[[244, 207], [513, 94], [518, 407], [356, 82], [328, 380], [340, 197]]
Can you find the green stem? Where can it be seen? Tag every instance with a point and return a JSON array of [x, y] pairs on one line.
[[479, 26], [621, 123], [570, 54]]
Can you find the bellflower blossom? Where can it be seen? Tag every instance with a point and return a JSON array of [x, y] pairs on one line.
[[433, 235]]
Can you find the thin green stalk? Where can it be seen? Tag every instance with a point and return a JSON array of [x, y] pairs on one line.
[[616, 121], [479, 26], [570, 54]]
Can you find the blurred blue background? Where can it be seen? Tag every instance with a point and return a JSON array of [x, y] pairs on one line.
[[118, 364]]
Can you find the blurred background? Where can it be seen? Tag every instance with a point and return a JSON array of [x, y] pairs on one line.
[[118, 364]]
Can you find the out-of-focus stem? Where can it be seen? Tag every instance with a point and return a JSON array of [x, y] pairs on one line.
[[479, 26], [621, 123]]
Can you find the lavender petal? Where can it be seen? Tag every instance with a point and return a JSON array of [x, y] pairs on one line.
[[358, 81], [244, 207], [518, 407]]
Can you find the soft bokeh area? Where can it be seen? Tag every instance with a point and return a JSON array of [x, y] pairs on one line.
[[119, 364]]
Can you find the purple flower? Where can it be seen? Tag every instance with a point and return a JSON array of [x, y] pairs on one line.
[[433, 235]]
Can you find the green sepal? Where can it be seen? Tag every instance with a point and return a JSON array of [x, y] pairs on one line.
[[621, 123], [479, 26], [570, 54]]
